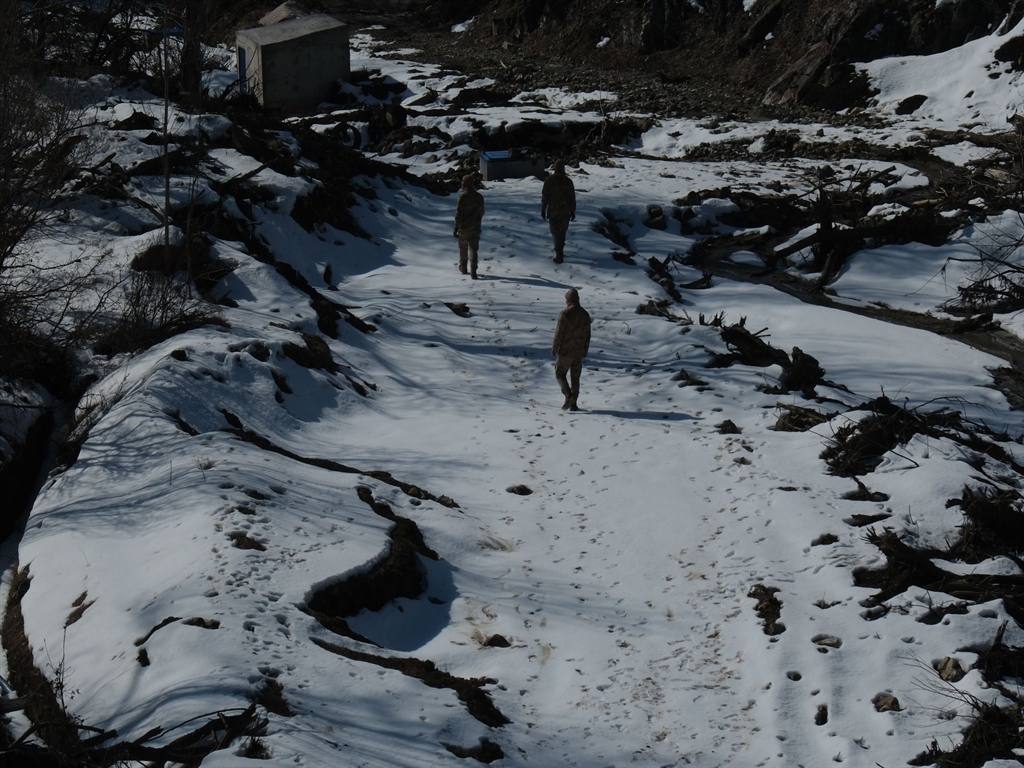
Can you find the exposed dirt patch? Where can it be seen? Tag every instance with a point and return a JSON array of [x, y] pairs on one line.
[[79, 607], [769, 608], [59, 732], [42, 706], [470, 691], [242, 540], [314, 353], [398, 574], [169, 620], [258, 440], [486, 751], [18, 474]]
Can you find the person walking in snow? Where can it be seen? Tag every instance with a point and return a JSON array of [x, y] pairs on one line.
[[558, 206], [469, 214], [571, 344]]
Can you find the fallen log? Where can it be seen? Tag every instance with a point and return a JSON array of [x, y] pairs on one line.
[[917, 226], [752, 349], [872, 178], [1006, 141], [12, 705], [908, 567], [659, 273]]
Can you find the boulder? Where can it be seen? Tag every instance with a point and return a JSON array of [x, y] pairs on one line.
[[886, 702], [951, 670]]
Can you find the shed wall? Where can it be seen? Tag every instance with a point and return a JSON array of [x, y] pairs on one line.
[[293, 73], [301, 72]]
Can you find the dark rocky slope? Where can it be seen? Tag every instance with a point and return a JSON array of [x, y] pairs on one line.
[[691, 56], [790, 50]]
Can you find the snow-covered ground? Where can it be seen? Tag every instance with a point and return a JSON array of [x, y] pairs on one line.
[[620, 581]]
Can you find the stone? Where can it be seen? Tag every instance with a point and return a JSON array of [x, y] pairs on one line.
[[951, 670], [886, 702]]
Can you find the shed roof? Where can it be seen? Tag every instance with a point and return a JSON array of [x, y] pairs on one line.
[[283, 12], [292, 29]]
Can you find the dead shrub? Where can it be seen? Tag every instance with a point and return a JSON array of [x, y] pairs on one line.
[[993, 524], [155, 307], [256, 748], [998, 281], [270, 696], [856, 449], [87, 415], [994, 734], [168, 260]]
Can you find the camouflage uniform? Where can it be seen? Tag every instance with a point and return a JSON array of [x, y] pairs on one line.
[[571, 344], [469, 214], [558, 206]]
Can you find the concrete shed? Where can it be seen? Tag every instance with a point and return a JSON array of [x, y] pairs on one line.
[[293, 64]]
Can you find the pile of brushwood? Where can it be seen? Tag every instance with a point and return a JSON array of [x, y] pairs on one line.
[[992, 527]]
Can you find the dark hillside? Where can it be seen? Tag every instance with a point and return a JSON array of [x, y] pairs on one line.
[[779, 53], [675, 56]]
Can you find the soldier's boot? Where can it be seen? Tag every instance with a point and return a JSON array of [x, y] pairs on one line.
[[563, 384], [573, 395], [559, 249], [462, 267]]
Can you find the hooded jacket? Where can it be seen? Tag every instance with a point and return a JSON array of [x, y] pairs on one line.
[[572, 332], [558, 197], [469, 213]]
